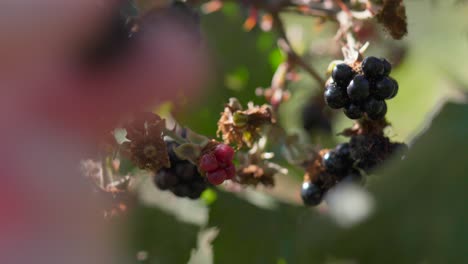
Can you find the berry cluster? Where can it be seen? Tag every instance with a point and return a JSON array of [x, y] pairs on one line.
[[345, 162], [217, 164], [182, 178], [362, 93]]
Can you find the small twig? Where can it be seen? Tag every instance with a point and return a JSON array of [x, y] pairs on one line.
[[293, 57]]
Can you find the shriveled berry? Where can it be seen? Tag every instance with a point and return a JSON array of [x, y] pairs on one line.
[[343, 74], [358, 89], [378, 115], [373, 106], [372, 67], [353, 111], [208, 163], [384, 89], [216, 177], [311, 194], [335, 97], [224, 153], [387, 67], [395, 88], [230, 172], [335, 163]]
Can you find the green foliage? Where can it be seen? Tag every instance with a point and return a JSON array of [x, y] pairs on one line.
[[162, 236]]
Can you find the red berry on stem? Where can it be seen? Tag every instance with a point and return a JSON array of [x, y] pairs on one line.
[[208, 163], [216, 177], [230, 172], [224, 153]]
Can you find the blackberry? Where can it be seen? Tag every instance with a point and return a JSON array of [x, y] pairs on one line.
[[380, 114], [313, 118], [311, 194], [373, 106], [395, 88], [182, 178], [353, 111], [373, 67], [335, 97], [358, 90], [384, 89], [342, 74], [337, 161], [369, 150], [387, 67]]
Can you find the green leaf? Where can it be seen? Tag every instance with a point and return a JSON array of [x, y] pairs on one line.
[[188, 151], [161, 236]]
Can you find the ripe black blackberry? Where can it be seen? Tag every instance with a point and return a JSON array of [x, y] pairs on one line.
[[311, 194], [338, 161], [335, 96], [182, 178], [364, 93]]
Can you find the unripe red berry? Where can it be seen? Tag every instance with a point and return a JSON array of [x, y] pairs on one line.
[[230, 172], [216, 177], [208, 163], [224, 154]]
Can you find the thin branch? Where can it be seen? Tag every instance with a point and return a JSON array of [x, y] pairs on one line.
[[293, 57]]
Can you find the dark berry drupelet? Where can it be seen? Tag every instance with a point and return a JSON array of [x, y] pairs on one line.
[[311, 194], [387, 67], [373, 107], [338, 161], [342, 74], [395, 89], [182, 178], [335, 96], [378, 114], [373, 67], [384, 89], [358, 89], [353, 111]]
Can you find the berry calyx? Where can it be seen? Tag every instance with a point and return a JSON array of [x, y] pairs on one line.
[[343, 74], [216, 177], [384, 89], [353, 111], [224, 153], [372, 67], [208, 163], [335, 97], [358, 89], [311, 194]]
